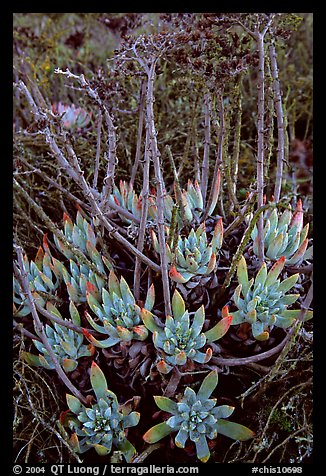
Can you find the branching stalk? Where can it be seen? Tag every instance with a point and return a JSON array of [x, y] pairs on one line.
[[280, 122], [237, 135], [207, 143], [218, 160], [160, 189], [140, 131], [261, 143], [143, 218], [178, 191]]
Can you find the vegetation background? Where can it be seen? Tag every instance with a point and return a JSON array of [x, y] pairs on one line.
[[195, 73]]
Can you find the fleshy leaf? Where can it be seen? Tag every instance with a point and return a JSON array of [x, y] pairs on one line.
[[75, 317], [234, 430], [178, 305], [131, 420], [98, 381], [69, 365], [166, 404], [148, 320], [31, 359], [103, 344], [274, 272], [163, 367], [288, 283], [157, 432], [208, 385], [74, 404], [242, 274], [176, 276], [216, 189], [202, 449], [219, 330], [150, 298], [128, 450], [100, 449], [261, 276], [114, 286]]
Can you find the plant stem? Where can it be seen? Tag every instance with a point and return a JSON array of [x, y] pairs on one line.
[[280, 122], [160, 189], [98, 150], [140, 132], [143, 218], [237, 135], [213, 194], [207, 142], [235, 361], [178, 191], [261, 143]]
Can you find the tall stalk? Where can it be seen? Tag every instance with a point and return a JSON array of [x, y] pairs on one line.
[[140, 132], [143, 218], [236, 137], [261, 143], [259, 37], [207, 142], [160, 189], [215, 185], [280, 122]]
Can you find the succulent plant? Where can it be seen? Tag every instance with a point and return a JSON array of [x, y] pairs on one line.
[[264, 303], [43, 280], [195, 416], [66, 344], [180, 339], [118, 314], [102, 426], [191, 201], [126, 197], [192, 256], [74, 118], [81, 235], [284, 235]]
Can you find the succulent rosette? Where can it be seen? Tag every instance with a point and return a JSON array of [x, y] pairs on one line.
[[193, 256], [181, 338], [67, 344], [103, 425], [195, 416], [264, 300], [118, 315], [284, 235]]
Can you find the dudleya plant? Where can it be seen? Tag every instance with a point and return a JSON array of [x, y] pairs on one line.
[[127, 198], [180, 339], [82, 237], [118, 313], [67, 344], [264, 303], [102, 426], [193, 256], [284, 235], [73, 118], [195, 416], [191, 201], [43, 279]]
